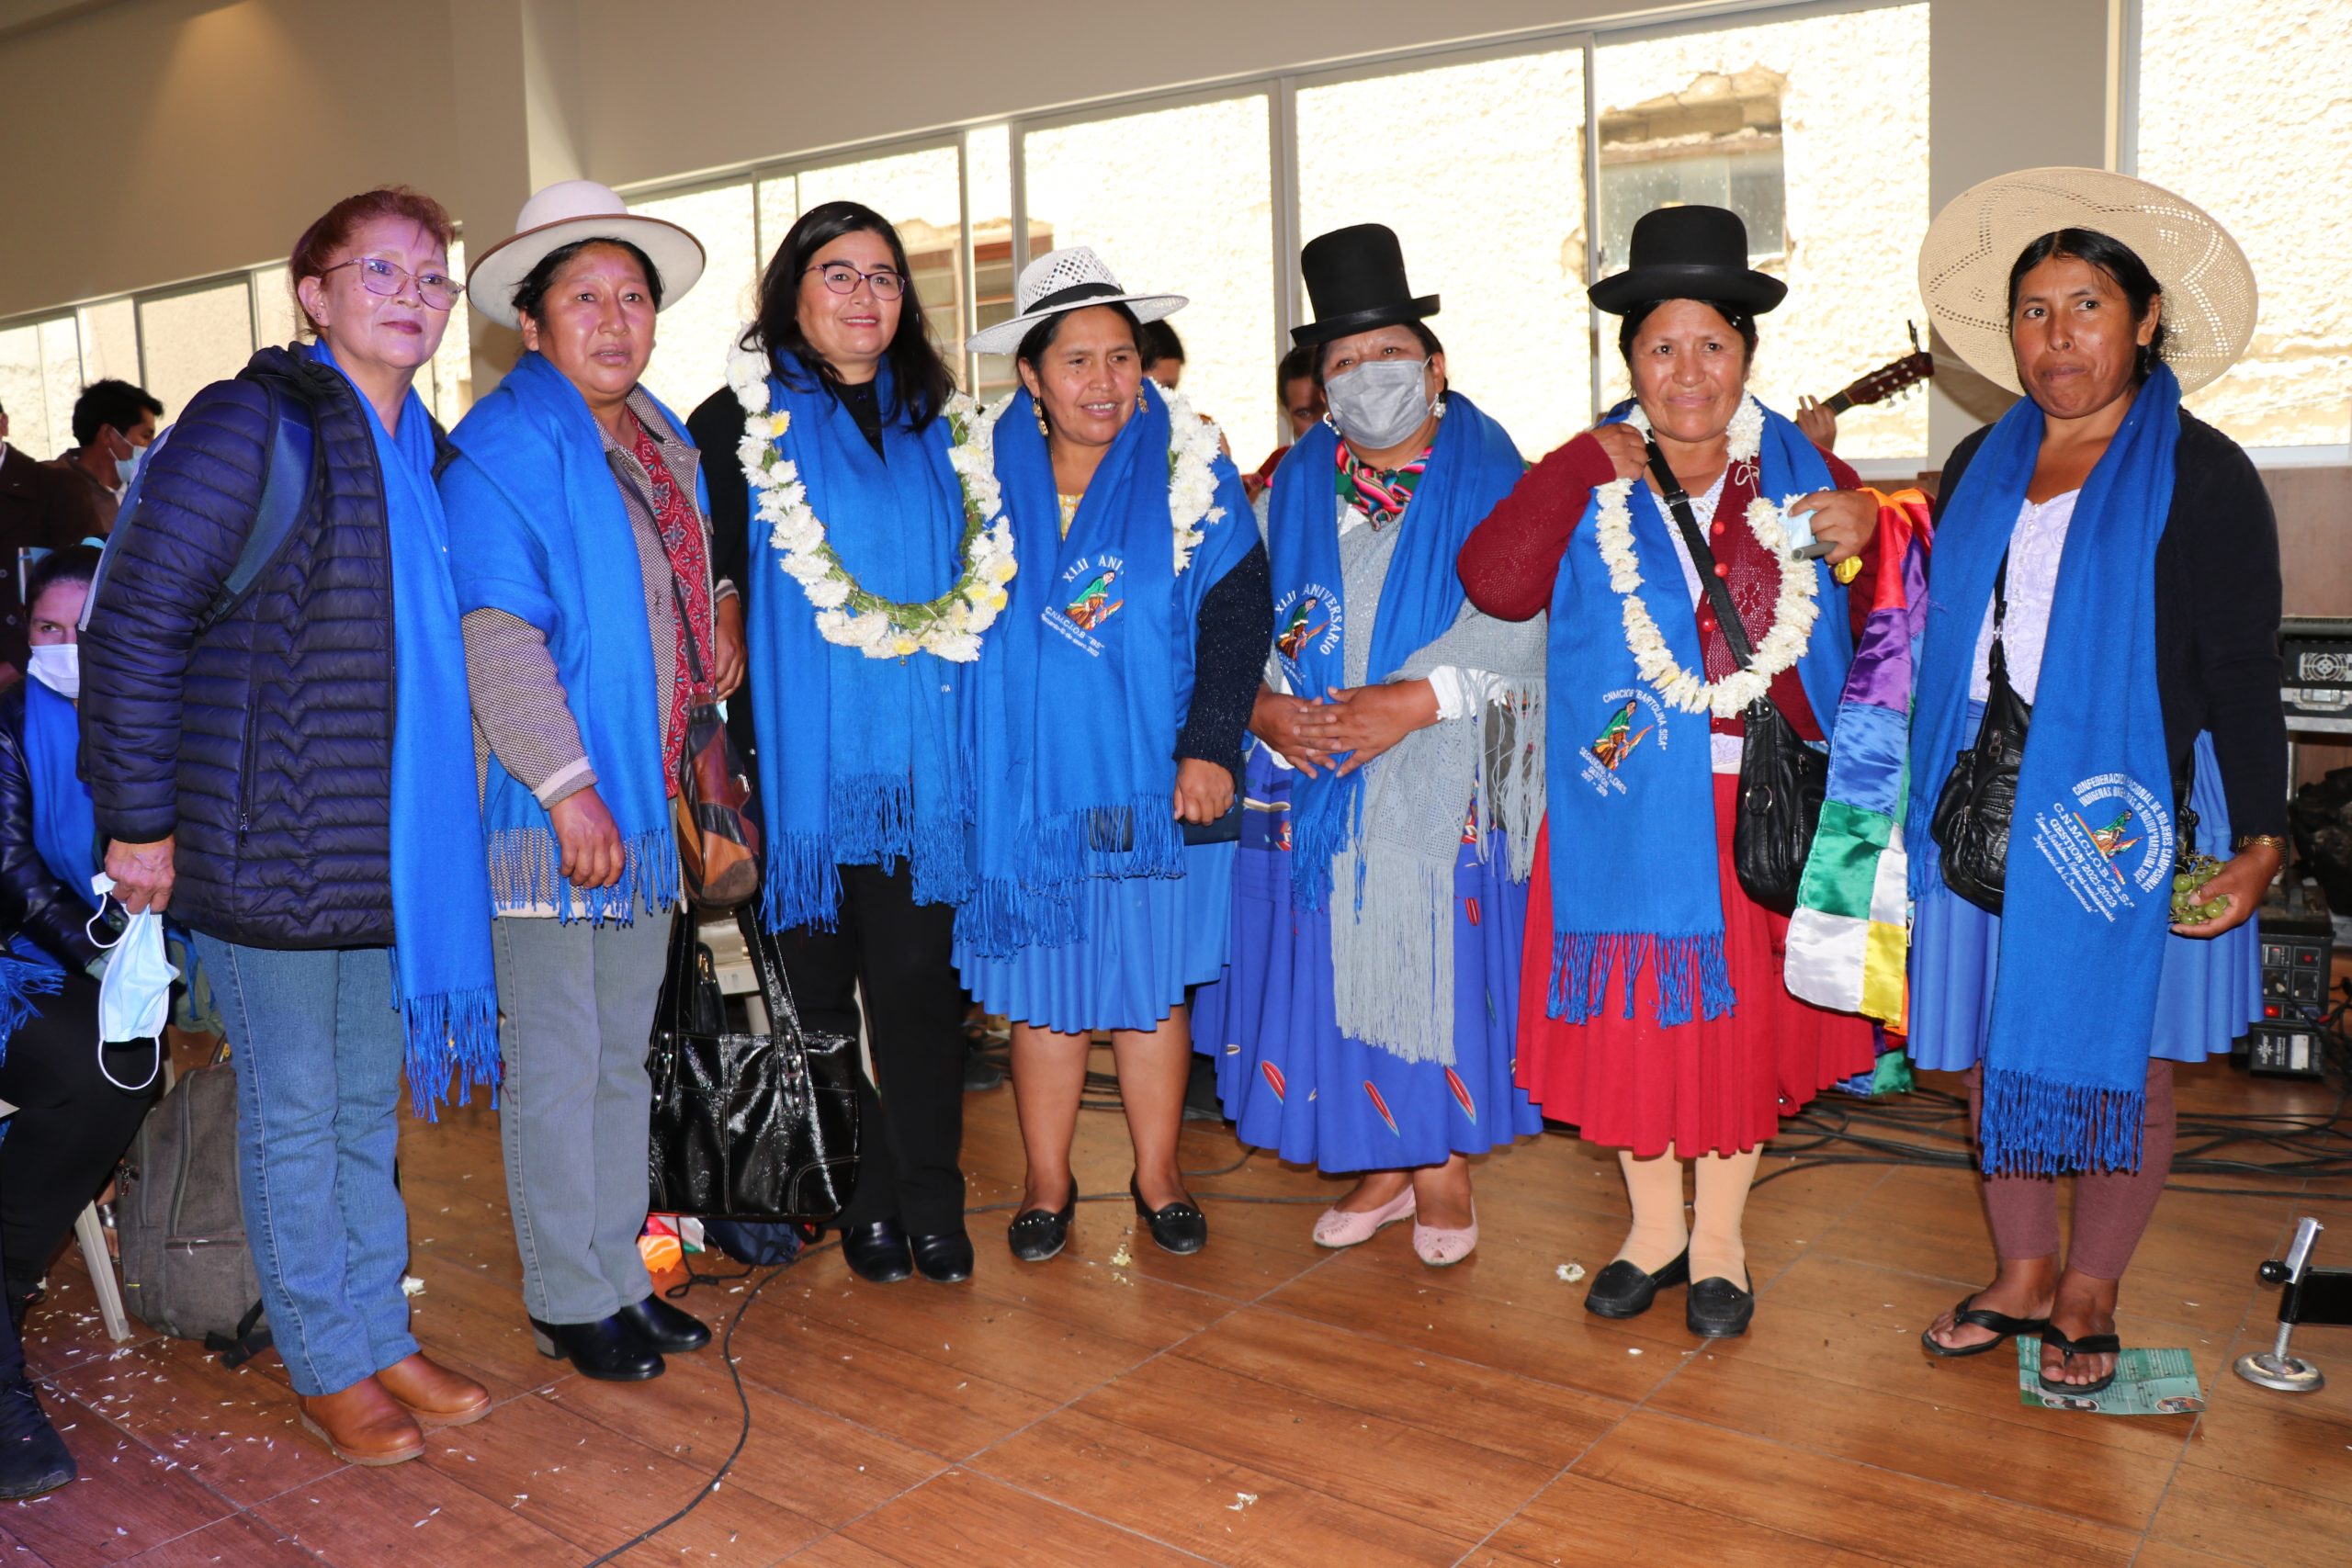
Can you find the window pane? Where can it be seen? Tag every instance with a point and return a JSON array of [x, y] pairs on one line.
[[195, 339], [695, 334], [274, 314], [1833, 183], [39, 375], [2270, 158], [1496, 149], [452, 373], [920, 194], [60, 374], [110, 333], [1178, 201]]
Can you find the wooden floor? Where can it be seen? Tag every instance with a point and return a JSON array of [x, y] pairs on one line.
[[1264, 1403]]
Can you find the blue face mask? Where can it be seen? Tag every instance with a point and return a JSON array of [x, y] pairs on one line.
[[135, 993]]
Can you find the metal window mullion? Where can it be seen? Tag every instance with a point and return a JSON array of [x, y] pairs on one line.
[[1592, 218], [967, 312], [1283, 128]]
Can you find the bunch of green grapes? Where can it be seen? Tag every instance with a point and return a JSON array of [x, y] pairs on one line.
[[2186, 884]]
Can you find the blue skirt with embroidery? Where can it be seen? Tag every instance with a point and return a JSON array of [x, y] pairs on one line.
[[2208, 991], [1294, 1083], [1144, 941]]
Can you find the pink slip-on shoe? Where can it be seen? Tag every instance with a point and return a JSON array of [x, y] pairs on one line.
[[1338, 1227], [1444, 1248]]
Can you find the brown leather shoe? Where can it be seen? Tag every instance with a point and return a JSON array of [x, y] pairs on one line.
[[363, 1424], [432, 1394]]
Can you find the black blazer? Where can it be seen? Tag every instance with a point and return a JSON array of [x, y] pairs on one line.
[[2218, 603]]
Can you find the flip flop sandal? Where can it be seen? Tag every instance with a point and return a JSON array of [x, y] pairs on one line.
[[2088, 1345], [1974, 1316]]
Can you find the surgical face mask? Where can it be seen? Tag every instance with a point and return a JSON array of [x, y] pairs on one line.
[[127, 469], [1381, 402], [135, 993], [58, 666]]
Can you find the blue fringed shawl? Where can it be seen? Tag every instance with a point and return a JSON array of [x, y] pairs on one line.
[[2086, 903], [1633, 853]]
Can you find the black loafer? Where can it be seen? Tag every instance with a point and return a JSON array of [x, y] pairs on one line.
[[663, 1328], [1036, 1235], [944, 1258], [1718, 1309], [877, 1252], [607, 1349], [1180, 1227], [33, 1459], [1623, 1290]]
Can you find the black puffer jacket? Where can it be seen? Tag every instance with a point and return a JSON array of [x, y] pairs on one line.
[[32, 901], [265, 744]]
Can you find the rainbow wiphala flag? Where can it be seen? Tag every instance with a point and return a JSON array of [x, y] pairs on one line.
[[1849, 938]]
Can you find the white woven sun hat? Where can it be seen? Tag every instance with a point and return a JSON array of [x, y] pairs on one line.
[[2208, 289], [1072, 279], [571, 210]]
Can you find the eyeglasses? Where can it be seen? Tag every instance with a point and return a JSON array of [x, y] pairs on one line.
[[841, 278], [437, 290]]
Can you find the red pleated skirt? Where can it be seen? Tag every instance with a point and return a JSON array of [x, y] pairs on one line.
[[1717, 1085]]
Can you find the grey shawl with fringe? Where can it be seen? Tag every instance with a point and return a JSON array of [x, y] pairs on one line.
[[1392, 888]]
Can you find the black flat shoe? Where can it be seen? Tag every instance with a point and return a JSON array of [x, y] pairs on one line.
[[1180, 1227], [661, 1326], [607, 1349], [1717, 1309], [32, 1456], [877, 1252], [1623, 1290], [945, 1259], [2088, 1345], [1969, 1314], [1036, 1235]]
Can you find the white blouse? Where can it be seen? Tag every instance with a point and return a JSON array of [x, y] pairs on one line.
[[2037, 542]]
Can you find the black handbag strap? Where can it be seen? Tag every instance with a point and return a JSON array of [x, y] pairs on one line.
[[1677, 501], [686, 625], [767, 970]]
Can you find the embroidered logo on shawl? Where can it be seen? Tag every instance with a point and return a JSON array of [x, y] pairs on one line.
[[1618, 739], [1306, 618], [2091, 843], [1090, 606]]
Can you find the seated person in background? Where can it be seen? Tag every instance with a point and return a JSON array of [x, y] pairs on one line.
[[1302, 405], [72, 1123], [41, 509], [114, 424]]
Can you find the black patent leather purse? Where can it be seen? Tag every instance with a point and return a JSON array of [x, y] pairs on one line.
[[1782, 781], [746, 1126], [1971, 825]]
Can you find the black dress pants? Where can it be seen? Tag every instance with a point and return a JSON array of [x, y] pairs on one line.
[[70, 1128], [911, 1122]]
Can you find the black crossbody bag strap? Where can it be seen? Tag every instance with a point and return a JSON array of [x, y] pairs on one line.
[[1678, 502]]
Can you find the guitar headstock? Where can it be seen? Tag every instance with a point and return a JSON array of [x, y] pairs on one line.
[[1889, 379]]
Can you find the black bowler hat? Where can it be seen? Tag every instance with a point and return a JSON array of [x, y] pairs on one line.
[[1689, 253], [1355, 279]]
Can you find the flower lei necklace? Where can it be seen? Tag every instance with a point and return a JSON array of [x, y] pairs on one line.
[[1792, 614], [847, 614], [1193, 447]]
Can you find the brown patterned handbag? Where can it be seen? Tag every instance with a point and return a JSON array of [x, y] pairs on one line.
[[718, 840]]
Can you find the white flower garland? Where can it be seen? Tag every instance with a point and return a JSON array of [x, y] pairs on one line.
[[1193, 443], [948, 626], [1792, 614]]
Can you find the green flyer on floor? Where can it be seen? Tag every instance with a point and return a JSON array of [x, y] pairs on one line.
[[2147, 1382]]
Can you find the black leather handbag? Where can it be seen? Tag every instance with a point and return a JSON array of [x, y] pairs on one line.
[[1782, 781], [746, 1126], [1971, 825]]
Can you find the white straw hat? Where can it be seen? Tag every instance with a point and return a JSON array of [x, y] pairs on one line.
[[1072, 279], [2209, 290], [568, 211]]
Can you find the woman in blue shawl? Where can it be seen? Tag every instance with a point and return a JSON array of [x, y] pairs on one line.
[[580, 553], [863, 573], [1112, 704], [2134, 548]]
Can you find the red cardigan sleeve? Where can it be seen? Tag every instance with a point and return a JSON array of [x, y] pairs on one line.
[[1510, 561]]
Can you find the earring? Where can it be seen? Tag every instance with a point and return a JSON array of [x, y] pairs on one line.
[[1143, 402], [1040, 409]]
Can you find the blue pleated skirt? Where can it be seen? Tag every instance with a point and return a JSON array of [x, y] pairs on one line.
[[1144, 939], [2209, 992], [1294, 1083]]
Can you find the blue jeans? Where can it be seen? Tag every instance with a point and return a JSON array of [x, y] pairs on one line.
[[317, 1049]]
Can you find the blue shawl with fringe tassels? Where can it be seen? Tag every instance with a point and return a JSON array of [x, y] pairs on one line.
[[1631, 785], [2087, 906], [540, 532], [861, 760], [442, 980]]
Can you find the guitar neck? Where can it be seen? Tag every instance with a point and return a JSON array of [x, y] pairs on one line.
[[1839, 403]]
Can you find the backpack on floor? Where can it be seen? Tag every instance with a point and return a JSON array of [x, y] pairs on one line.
[[186, 1267]]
